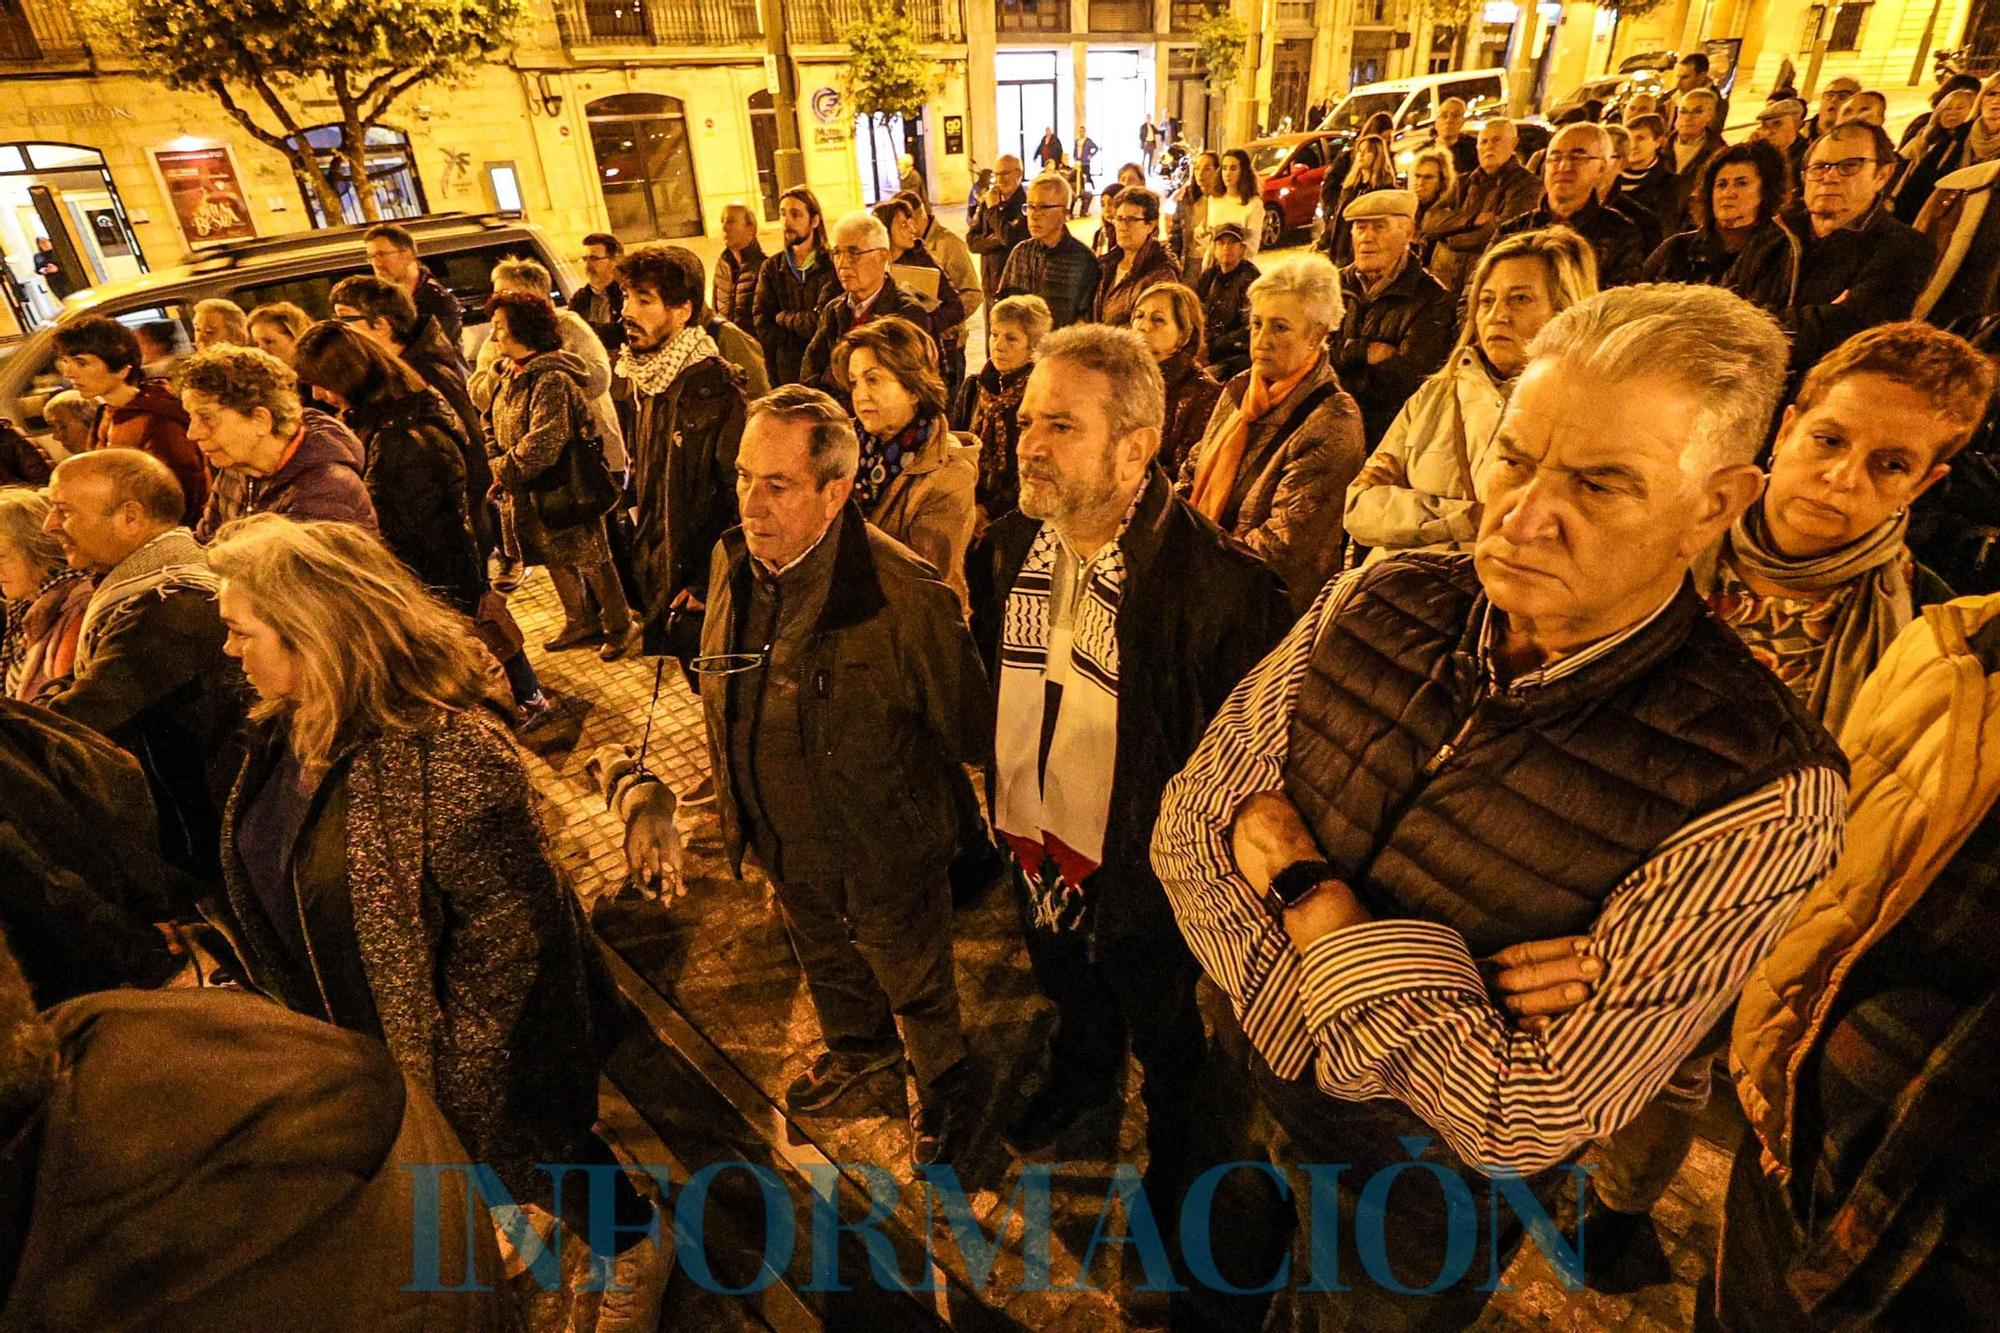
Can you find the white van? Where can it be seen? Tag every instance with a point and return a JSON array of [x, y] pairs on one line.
[[1412, 103]]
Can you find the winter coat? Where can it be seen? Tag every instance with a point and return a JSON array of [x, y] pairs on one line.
[[1687, 181], [891, 701], [1197, 612], [539, 410], [321, 479], [1225, 308], [1867, 273], [929, 505], [1953, 220], [1192, 392], [1618, 242], [1117, 296], [50, 622], [987, 407], [1065, 275], [1286, 503], [1441, 436], [1764, 272], [207, 1160], [581, 342], [1657, 192], [740, 350], [684, 474], [80, 854], [950, 250], [736, 283], [992, 234], [1922, 742], [484, 982], [1936, 160], [836, 317], [1467, 226], [1415, 315], [156, 423], [787, 310], [416, 475], [434, 301]]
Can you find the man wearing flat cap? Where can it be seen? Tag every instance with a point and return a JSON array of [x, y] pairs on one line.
[[1397, 320], [1224, 289], [1781, 124], [1572, 169]]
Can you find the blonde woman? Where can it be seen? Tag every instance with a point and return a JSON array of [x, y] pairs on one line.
[[277, 327], [1418, 489], [42, 599], [382, 865], [1370, 169]]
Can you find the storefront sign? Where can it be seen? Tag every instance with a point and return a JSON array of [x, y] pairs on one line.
[[954, 135], [208, 199], [87, 113], [830, 136], [826, 104]]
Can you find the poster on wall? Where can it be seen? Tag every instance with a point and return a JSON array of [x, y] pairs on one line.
[[207, 198]]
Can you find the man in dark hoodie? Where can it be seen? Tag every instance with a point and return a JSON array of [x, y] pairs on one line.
[[101, 359], [392, 253], [196, 1160], [244, 412], [150, 673]]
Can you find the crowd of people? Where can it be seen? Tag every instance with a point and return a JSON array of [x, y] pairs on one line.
[[1466, 684]]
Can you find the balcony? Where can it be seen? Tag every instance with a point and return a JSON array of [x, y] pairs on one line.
[[1121, 15], [1296, 11], [33, 32], [1032, 16], [820, 22], [657, 22], [1187, 15]]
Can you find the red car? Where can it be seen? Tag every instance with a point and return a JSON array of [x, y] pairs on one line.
[[1292, 167]]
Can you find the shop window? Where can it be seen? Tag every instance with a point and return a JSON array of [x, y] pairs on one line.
[[391, 168], [644, 166], [764, 138]]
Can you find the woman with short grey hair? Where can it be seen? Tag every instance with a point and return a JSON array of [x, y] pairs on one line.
[[987, 404], [44, 598], [1285, 440]]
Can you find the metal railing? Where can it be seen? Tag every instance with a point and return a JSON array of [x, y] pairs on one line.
[[33, 30], [1032, 15], [820, 22], [658, 22], [1187, 15], [1295, 11], [1121, 15]]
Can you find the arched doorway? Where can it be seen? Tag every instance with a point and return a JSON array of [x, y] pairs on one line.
[[764, 137], [644, 166], [391, 168]]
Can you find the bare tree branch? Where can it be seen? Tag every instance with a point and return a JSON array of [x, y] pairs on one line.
[[244, 118], [389, 98]]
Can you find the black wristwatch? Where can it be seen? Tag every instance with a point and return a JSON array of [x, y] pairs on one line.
[[1290, 885]]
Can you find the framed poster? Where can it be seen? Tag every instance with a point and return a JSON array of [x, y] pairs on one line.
[[206, 196]]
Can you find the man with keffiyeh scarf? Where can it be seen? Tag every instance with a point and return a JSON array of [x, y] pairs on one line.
[[1121, 619], [689, 422]]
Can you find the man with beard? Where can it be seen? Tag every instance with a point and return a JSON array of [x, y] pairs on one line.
[[791, 287], [689, 422]]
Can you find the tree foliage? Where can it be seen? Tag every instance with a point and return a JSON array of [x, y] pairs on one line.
[[1224, 41], [263, 58], [887, 73]]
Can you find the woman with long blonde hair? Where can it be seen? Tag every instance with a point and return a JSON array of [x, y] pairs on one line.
[[382, 864]]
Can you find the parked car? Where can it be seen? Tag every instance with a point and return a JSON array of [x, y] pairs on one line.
[[1531, 136], [1293, 167], [1412, 103], [1611, 92], [459, 249]]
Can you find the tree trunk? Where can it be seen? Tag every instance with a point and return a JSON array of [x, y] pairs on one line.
[[354, 148], [305, 165]]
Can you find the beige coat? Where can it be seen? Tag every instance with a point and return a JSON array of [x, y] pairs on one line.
[[929, 507], [1441, 436]]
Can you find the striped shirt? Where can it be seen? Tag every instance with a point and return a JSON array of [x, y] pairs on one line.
[[1399, 1008]]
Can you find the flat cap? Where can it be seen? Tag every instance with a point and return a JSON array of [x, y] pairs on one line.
[[1786, 106], [1383, 204]]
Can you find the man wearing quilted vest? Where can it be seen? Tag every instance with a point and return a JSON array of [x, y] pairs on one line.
[[1451, 753]]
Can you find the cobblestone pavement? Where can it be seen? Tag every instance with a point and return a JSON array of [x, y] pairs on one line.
[[721, 959]]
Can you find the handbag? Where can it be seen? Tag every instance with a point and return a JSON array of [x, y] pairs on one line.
[[577, 488]]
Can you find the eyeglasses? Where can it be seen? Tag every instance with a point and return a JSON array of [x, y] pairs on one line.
[[729, 664], [1047, 208], [1846, 167], [1132, 221], [847, 254], [1573, 159], [352, 319]]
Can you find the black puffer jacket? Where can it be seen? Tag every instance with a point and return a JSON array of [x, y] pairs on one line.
[[1415, 315], [416, 474], [1225, 306], [787, 311]]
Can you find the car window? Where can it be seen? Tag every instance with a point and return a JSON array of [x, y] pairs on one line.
[[1419, 109], [1309, 156], [468, 274], [310, 293], [1266, 160], [1483, 96], [1352, 113]]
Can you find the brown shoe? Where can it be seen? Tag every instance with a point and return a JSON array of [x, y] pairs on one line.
[[623, 643], [573, 636]]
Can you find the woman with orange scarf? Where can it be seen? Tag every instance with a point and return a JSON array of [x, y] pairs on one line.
[[1285, 439]]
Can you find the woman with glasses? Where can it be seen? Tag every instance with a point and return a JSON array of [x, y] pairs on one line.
[[1742, 242], [1138, 262], [1241, 200], [917, 479], [1434, 180]]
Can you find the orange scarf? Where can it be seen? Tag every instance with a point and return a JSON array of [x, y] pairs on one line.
[[1215, 479]]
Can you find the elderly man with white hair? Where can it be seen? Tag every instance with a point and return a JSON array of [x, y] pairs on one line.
[[1051, 263], [860, 250], [1574, 169], [1285, 439], [1452, 751]]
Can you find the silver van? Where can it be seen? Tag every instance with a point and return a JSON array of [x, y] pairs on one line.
[[1412, 103], [460, 250]]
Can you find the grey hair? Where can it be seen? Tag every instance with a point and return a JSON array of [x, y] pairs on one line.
[[525, 275], [739, 210], [68, 403], [23, 510], [834, 448], [1312, 279], [232, 315], [1583, 129], [1136, 395], [1029, 314], [1713, 98], [1502, 121], [861, 220], [1727, 355], [1050, 181]]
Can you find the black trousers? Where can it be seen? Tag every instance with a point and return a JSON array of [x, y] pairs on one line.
[[1109, 993], [875, 955]]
